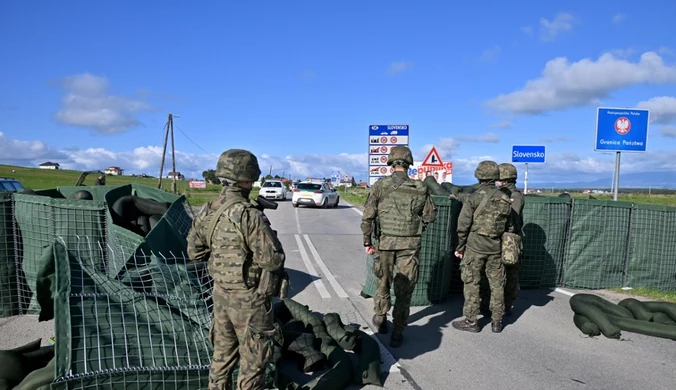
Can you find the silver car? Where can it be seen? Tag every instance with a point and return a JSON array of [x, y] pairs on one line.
[[273, 189]]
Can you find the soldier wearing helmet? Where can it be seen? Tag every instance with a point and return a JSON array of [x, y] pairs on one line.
[[484, 218], [232, 236], [402, 209]]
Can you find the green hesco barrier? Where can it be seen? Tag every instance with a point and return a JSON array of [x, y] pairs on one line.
[[546, 222], [9, 304], [80, 224], [150, 333], [597, 250], [652, 253], [98, 192], [434, 270]]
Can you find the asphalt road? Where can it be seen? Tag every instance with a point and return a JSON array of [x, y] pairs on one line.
[[540, 348]]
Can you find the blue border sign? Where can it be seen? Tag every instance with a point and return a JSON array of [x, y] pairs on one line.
[[387, 130], [382, 138], [528, 154], [621, 129]]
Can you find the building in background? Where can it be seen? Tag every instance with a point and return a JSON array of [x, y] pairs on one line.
[[49, 165], [113, 170]]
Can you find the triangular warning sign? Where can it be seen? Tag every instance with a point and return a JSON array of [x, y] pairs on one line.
[[433, 159]]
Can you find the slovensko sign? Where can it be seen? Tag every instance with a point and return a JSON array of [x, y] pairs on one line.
[[382, 138], [621, 129], [528, 154]]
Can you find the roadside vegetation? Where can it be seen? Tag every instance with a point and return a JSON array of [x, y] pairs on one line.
[[665, 296]]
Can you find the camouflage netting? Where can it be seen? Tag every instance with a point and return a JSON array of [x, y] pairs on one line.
[[576, 243]]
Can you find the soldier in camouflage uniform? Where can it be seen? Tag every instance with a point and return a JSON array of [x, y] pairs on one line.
[[241, 245], [402, 208], [485, 216], [508, 175]]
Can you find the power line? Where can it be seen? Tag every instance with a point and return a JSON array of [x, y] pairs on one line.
[[194, 143]]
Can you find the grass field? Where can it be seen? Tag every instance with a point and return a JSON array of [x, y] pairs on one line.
[[657, 295]]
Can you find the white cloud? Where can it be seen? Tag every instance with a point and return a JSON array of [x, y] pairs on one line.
[[668, 131], [618, 18], [662, 109], [490, 54], [501, 125], [488, 137], [527, 30], [398, 67], [555, 139], [550, 29], [25, 151], [89, 104], [564, 84]]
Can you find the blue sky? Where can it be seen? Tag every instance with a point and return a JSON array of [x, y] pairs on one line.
[[298, 82]]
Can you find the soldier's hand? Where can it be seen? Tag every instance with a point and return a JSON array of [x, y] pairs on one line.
[[458, 255], [370, 250]]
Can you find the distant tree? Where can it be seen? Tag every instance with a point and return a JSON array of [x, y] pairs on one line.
[[277, 177], [210, 176], [268, 177], [354, 182]]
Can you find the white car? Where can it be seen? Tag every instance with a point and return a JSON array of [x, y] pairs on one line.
[[273, 189], [315, 194]]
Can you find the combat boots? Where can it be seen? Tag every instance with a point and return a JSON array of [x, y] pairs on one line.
[[508, 310], [380, 322], [496, 326], [466, 326]]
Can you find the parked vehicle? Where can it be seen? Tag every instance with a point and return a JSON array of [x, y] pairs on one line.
[[10, 185], [315, 194]]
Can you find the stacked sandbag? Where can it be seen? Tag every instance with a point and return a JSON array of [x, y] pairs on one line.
[[595, 316], [316, 343], [138, 214], [29, 367]]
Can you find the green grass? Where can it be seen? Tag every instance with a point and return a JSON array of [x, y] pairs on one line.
[[661, 200], [353, 196], [657, 295]]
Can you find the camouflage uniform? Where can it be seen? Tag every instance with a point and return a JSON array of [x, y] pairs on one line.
[[508, 176], [242, 245], [403, 209], [480, 242]]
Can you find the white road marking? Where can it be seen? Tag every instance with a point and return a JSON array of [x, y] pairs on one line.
[[311, 269], [356, 210], [325, 270], [564, 292], [297, 220]]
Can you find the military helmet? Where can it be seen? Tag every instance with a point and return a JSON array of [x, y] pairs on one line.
[[487, 170], [400, 153], [507, 171], [238, 165]]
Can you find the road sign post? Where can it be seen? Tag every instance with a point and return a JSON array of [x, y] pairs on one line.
[[528, 154], [382, 138], [621, 130]]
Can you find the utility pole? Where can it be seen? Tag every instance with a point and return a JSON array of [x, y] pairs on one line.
[[169, 131]]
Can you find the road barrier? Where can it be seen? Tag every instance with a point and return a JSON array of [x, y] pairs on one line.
[[568, 242]]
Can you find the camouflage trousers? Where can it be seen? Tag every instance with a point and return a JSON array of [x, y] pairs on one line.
[[401, 268], [241, 334], [512, 287], [471, 266]]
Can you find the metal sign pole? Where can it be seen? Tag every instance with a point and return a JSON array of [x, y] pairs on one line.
[[525, 180], [617, 175]]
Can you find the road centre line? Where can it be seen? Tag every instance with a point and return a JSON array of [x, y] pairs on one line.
[[323, 292], [297, 220], [332, 280]]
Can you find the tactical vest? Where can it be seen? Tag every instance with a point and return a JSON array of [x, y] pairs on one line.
[[400, 207], [231, 261], [491, 219]]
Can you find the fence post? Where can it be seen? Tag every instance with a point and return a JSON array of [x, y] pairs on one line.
[[566, 245], [627, 247]]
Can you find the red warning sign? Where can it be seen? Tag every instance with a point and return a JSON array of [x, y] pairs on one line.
[[433, 159], [383, 140], [393, 140], [383, 149], [383, 159], [383, 170], [391, 169], [622, 125]]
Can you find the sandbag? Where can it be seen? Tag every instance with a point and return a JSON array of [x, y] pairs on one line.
[[82, 195], [130, 207], [13, 366], [583, 306], [662, 318], [605, 306], [302, 345], [154, 220], [586, 326], [144, 224], [637, 309], [336, 378], [336, 329], [667, 308], [369, 360], [39, 378], [644, 327], [30, 347], [314, 323], [434, 187]]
